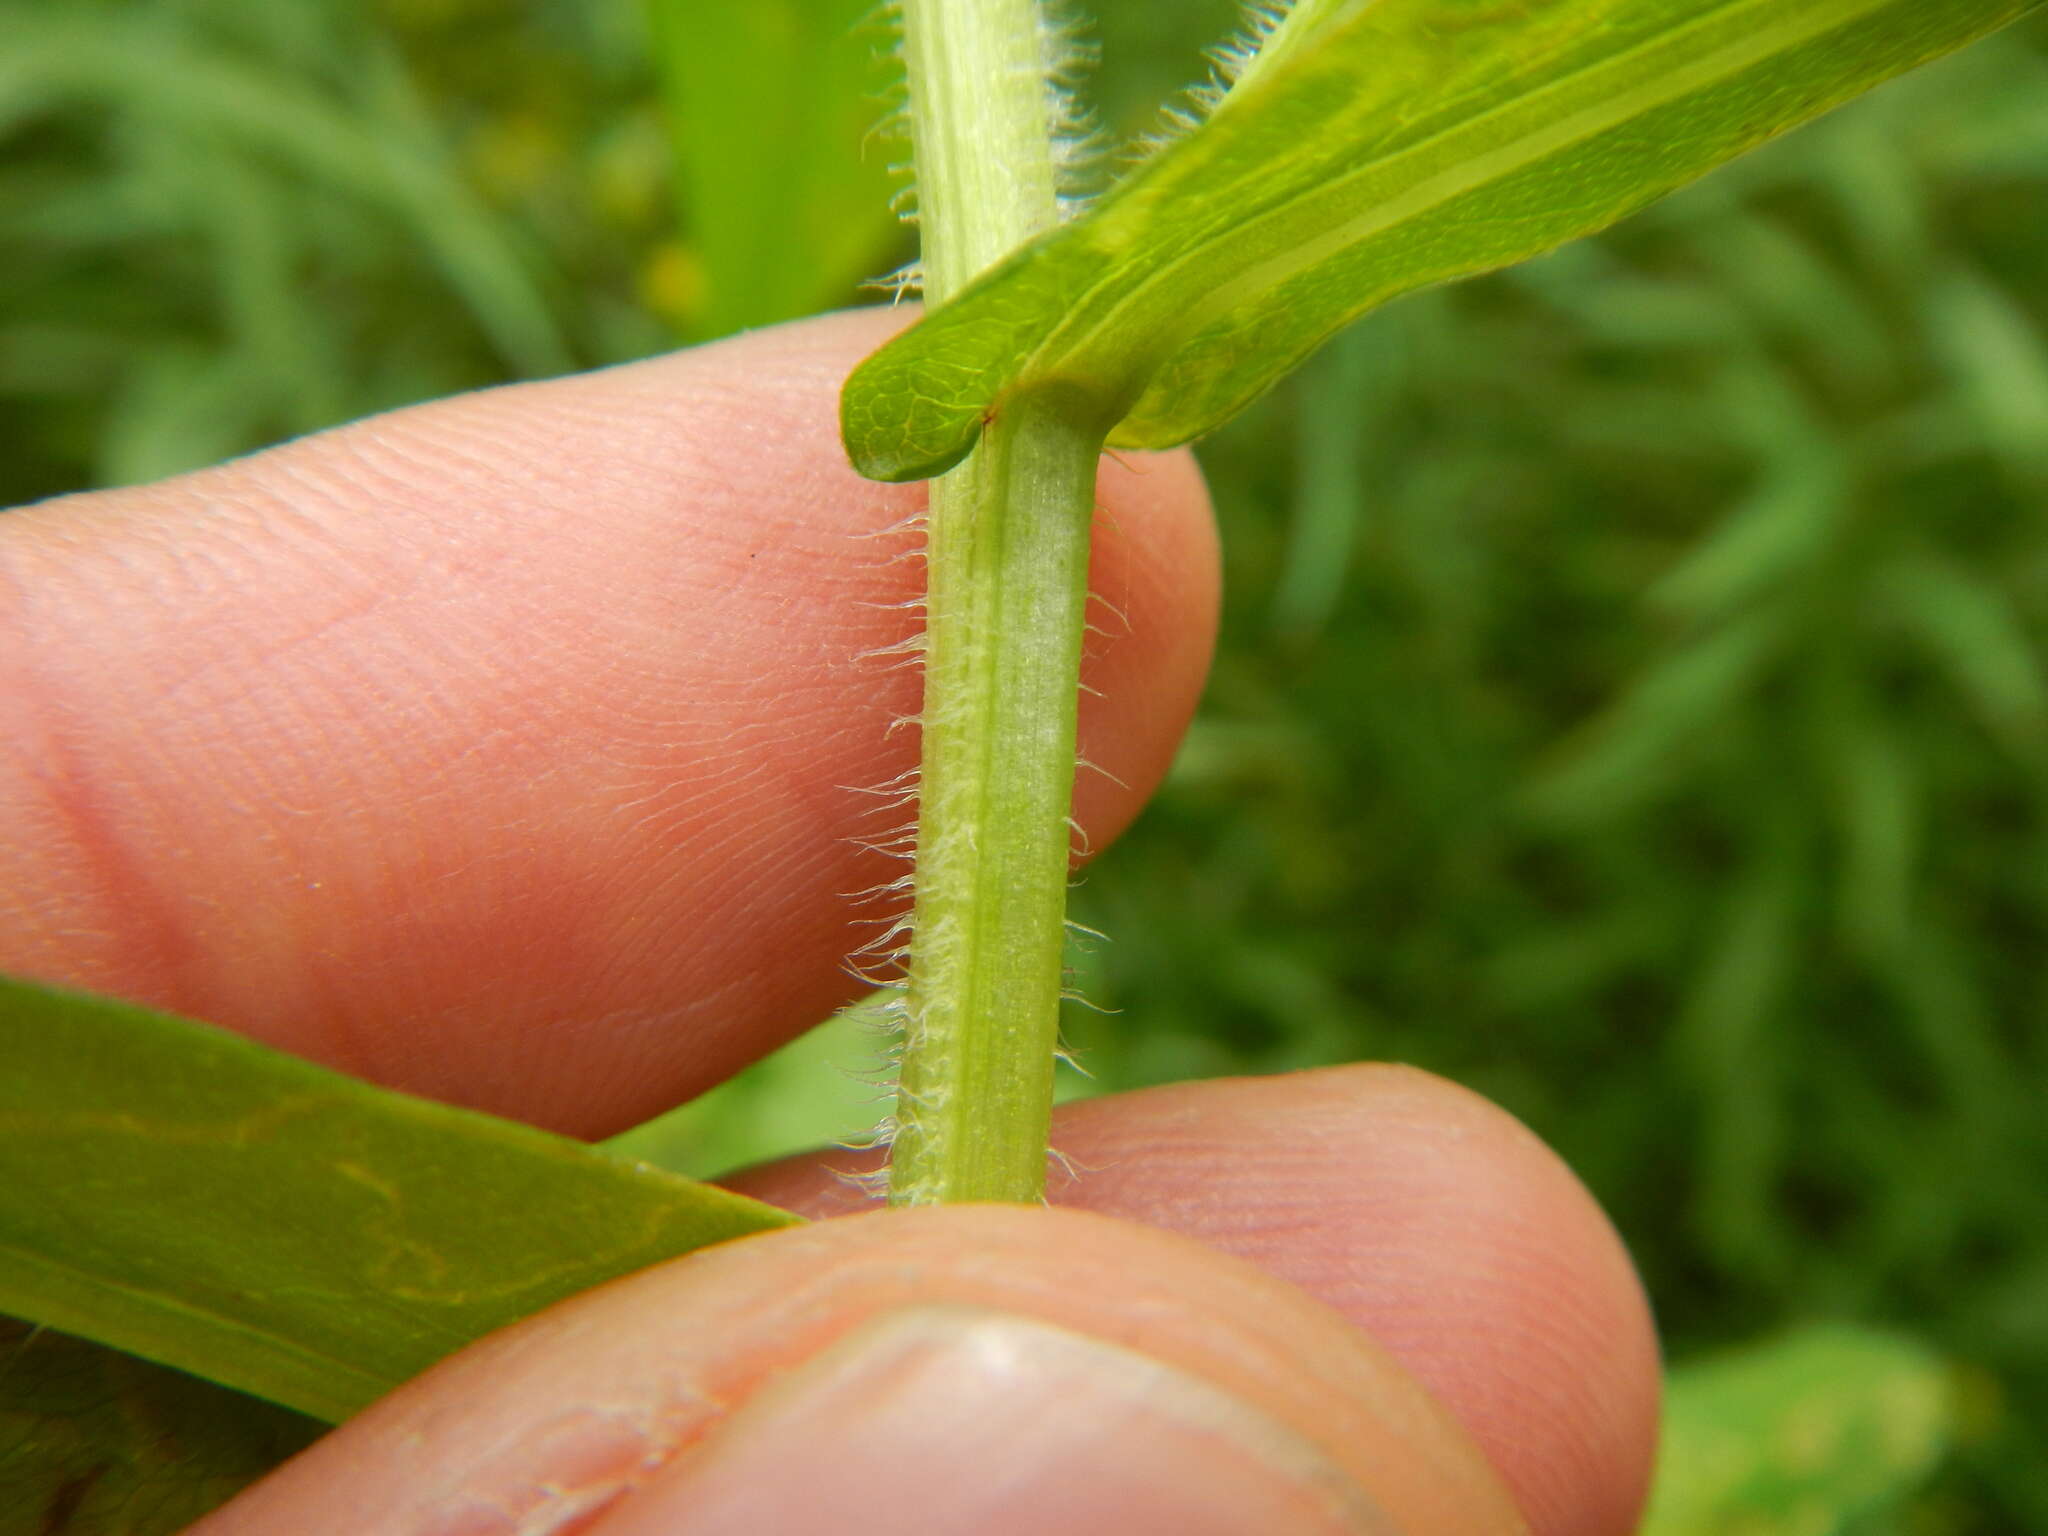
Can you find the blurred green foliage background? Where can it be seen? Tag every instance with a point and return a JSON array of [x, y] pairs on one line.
[[1633, 698]]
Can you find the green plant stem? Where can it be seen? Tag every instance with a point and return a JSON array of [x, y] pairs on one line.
[[1007, 572], [1008, 582]]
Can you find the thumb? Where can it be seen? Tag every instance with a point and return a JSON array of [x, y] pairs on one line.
[[982, 1370]]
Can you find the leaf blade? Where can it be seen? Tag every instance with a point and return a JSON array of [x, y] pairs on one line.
[[1407, 142], [97, 1443], [189, 1196], [1806, 1432], [787, 190]]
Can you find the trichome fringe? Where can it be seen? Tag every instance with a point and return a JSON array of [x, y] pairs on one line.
[[1067, 55]]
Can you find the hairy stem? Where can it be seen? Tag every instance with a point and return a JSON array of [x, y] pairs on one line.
[[1007, 557]]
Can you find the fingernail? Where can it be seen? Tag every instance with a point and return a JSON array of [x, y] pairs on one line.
[[955, 1422]]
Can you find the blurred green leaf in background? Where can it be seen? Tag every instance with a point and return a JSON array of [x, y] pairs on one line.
[[1809, 1435], [783, 153], [1633, 695]]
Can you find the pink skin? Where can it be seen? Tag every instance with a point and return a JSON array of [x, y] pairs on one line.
[[510, 749], [500, 750]]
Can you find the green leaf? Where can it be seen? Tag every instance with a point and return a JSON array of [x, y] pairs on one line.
[[772, 106], [1387, 146], [1625, 756], [1971, 630], [825, 1087], [182, 1193], [2000, 358], [97, 1443], [1800, 1436]]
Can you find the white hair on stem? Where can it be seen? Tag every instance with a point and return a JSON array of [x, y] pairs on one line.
[[1230, 63]]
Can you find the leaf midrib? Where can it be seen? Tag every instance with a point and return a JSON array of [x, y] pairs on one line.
[[1466, 175]]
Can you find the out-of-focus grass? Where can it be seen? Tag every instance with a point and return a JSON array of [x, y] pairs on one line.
[[1632, 699], [224, 222]]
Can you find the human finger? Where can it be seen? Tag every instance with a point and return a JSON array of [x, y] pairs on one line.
[[974, 1369], [515, 749], [1431, 1219]]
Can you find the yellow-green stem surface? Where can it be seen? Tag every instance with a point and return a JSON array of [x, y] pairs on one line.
[[1007, 572]]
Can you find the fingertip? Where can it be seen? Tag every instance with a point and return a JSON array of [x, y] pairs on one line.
[[1156, 551], [1444, 1227]]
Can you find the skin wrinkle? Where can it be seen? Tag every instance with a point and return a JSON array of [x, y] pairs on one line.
[[555, 1477], [1506, 1255], [641, 449], [310, 516], [220, 685], [50, 574], [258, 514], [819, 812], [774, 762], [27, 721], [402, 461], [120, 886], [438, 469], [643, 1426]]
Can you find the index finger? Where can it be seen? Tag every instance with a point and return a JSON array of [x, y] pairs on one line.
[[513, 749]]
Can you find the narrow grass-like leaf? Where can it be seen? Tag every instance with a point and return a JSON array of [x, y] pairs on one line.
[[785, 180], [177, 1191], [1777, 532], [1732, 1044], [94, 1442], [1623, 757], [2000, 359], [1974, 634], [821, 1089], [375, 149], [1391, 145]]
